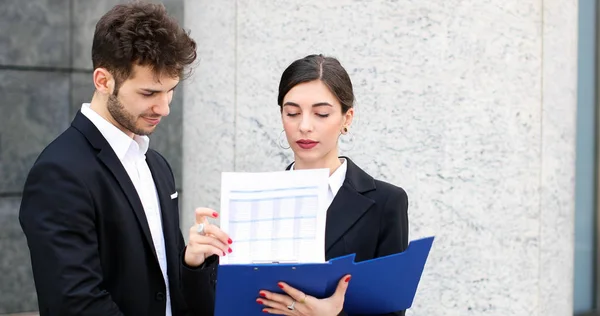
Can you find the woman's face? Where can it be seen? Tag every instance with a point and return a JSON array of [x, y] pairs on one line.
[[313, 120]]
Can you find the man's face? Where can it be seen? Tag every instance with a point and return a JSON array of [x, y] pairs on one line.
[[141, 101]]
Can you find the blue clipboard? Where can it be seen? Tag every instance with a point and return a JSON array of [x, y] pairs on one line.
[[382, 285]]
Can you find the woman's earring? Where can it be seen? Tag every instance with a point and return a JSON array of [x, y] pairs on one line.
[[279, 142], [346, 143]]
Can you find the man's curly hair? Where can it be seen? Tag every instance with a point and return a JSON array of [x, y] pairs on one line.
[[143, 34]]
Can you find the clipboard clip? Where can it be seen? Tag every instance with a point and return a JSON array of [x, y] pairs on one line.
[[273, 261]]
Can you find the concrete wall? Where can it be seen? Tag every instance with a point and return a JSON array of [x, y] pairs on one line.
[[468, 105]]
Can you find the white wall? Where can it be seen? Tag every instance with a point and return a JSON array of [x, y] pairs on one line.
[[468, 105]]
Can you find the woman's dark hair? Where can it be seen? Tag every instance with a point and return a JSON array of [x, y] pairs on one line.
[[318, 67], [144, 34]]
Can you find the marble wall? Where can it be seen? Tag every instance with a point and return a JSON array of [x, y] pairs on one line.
[[45, 75], [468, 105]]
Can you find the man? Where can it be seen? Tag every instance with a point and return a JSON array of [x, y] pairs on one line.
[[100, 209]]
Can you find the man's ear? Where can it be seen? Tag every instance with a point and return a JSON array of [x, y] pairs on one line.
[[103, 81]]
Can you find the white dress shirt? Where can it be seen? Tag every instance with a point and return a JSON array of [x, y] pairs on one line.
[[132, 154], [336, 180]]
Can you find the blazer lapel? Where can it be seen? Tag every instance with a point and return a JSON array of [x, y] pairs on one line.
[[110, 159], [347, 207], [349, 203], [162, 188]]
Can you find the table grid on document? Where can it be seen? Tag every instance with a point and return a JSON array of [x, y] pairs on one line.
[[273, 226]]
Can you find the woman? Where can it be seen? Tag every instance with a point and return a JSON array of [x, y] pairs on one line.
[[366, 217]]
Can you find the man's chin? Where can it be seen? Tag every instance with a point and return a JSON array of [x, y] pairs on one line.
[[146, 131]]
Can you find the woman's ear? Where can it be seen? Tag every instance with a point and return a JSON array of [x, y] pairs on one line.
[[348, 118]]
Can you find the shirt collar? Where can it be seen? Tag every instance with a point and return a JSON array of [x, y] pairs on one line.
[[117, 139], [336, 179]]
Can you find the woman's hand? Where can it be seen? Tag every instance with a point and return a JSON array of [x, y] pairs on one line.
[[299, 304], [205, 239]]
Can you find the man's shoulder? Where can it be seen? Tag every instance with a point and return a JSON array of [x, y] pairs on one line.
[[67, 147]]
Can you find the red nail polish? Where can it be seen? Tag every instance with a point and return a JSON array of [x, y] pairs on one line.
[[230, 250], [259, 301], [215, 214], [223, 252], [348, 279], [265, 311], [263, 294], [230, 241], [280, 285]]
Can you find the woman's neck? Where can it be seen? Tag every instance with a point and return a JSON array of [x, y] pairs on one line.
[[331, 163]]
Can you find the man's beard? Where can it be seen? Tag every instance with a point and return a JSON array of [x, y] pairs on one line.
[[124, 118]]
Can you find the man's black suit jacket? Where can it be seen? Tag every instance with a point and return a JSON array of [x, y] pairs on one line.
[[91, 248]]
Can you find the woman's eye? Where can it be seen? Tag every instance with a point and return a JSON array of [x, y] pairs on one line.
[[292, 114], [322, 115]]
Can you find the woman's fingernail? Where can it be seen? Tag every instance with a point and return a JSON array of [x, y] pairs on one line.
[[280, 285], [259, 301], [223, 252], [230, 241], [265, 311], [230, 250], [215, 214], [263, 294], [348, 279]]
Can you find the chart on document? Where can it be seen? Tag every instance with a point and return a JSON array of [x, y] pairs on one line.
[[275, 216]]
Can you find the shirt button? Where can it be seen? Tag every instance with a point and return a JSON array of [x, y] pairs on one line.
[[160, 296]]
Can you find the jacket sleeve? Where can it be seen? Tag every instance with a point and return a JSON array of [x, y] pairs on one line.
[[199, 285], [58, 219], [393, 233], [393, 236]]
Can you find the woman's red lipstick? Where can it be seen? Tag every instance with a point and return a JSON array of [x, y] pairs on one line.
[[306, 143]]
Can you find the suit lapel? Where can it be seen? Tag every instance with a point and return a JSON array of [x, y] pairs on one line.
[[349, 204], [163, 190], [347, 208], [112, 162]]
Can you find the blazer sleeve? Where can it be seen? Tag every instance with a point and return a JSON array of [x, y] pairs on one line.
[[57, 217], [393, 232], [198, 284]]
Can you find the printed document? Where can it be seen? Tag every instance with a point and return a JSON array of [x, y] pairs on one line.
[[275, 216]]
